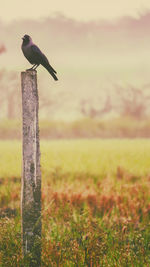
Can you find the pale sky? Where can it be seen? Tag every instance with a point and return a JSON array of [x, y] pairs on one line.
[[77, 9]]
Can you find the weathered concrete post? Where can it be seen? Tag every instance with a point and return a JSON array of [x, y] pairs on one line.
[[31, 175]]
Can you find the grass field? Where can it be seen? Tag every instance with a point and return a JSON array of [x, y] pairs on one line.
[[95, 203]]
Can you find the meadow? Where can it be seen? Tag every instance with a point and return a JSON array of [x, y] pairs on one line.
[[95, 203]]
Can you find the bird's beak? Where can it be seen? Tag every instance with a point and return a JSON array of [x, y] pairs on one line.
[[23, 38]]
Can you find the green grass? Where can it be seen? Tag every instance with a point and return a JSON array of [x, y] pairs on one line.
[[95, 203], [90, 156]]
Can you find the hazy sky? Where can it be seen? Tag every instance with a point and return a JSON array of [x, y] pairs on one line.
[[77, 9]]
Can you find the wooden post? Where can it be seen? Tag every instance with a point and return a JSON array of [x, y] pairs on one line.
[[31, 175]]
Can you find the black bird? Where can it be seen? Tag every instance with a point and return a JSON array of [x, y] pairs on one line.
[[34, 55]]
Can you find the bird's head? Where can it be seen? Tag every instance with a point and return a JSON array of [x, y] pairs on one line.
[[26, 39]]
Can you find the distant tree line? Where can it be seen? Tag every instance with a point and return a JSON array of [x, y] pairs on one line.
[[127, 101]]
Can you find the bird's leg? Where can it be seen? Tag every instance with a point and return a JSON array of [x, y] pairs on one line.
[[36, 66], [32, 67]]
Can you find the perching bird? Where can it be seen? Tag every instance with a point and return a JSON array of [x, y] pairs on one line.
[[34, 55]]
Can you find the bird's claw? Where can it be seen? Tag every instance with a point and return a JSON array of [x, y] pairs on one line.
[[30, 69]]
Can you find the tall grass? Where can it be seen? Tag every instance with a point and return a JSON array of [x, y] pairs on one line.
[[95, 203]]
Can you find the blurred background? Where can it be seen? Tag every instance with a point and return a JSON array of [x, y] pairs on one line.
[[101, 52]]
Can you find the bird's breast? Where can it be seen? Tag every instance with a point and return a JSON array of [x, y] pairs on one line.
[[26, 49]]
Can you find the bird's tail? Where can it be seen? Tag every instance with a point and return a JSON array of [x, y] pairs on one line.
[[52, 72]]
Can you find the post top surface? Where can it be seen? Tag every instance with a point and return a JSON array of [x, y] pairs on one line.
[[33, 72]]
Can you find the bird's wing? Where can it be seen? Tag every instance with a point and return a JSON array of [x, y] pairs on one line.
[[40, 57]]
